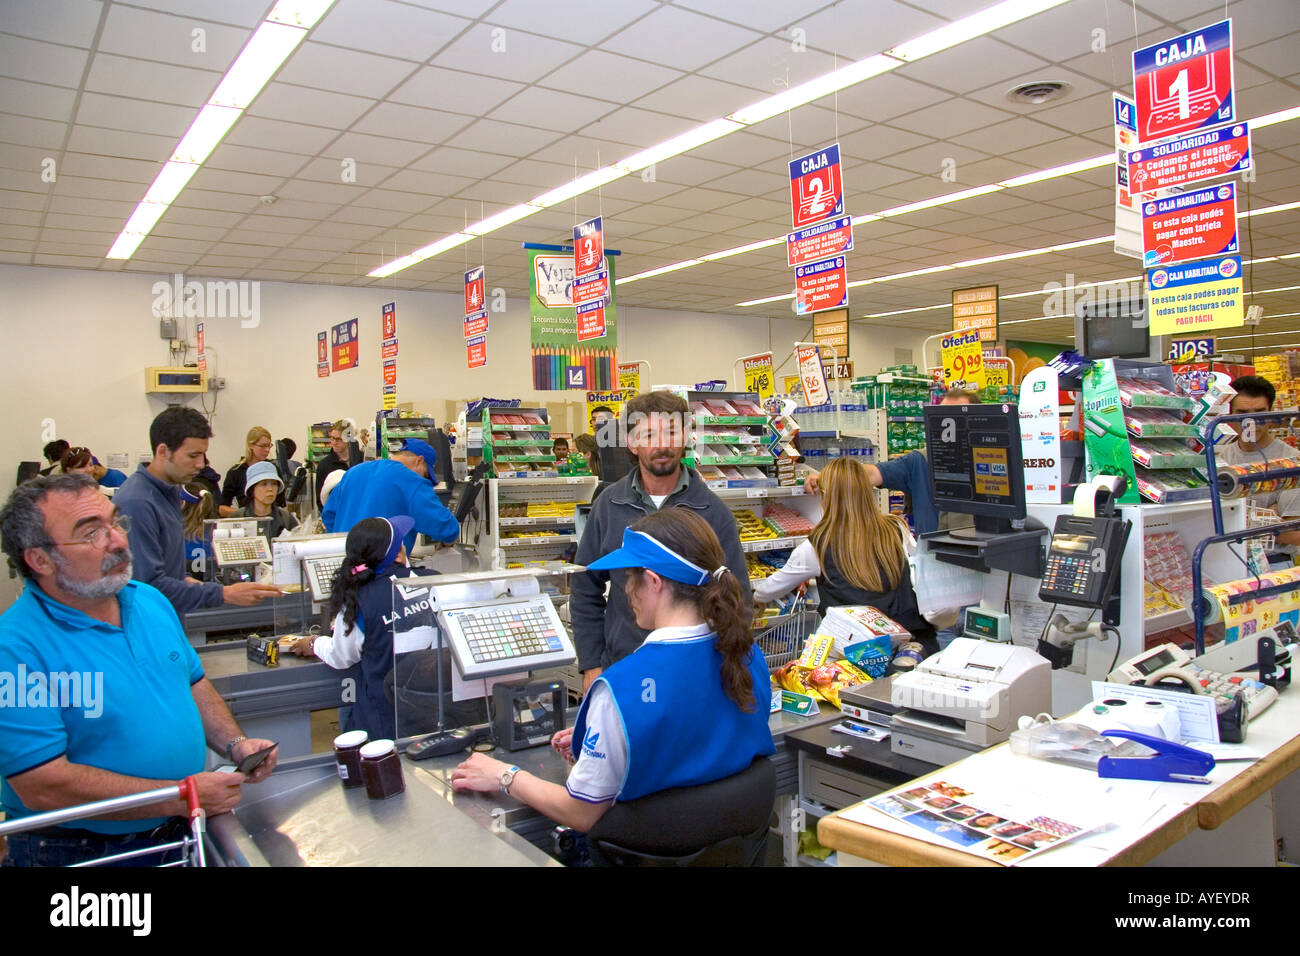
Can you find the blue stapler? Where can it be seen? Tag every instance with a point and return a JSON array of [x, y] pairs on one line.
[[1171, 761]]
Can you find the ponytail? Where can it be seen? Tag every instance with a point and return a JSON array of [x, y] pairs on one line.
[[723, 605], [367, 543]]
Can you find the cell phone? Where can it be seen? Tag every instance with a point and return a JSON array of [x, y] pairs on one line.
[[255, 760]]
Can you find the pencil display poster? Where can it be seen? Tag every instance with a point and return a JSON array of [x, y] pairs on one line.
[[554, 327]]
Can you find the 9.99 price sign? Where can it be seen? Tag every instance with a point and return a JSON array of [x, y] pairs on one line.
[[963, 361]]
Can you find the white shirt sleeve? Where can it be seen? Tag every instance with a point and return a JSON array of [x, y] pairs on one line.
[[341, 649], [598, 775], [801, 566]]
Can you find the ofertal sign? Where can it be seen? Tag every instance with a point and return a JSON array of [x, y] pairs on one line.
[[475, 282], [343, 337], [1184, 84], [629, 377], [977, 309], [1191, 225], [588, 247], [821, 241], [1196, 296], [821, 285], [476, 352], [1190, 350], [995, 376], [476, 324], [963, 361], [1190, 159], [758, 375], [1128, 221], [816, 187], [811, 375], [390, 396]]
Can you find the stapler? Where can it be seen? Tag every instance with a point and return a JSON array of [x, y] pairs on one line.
[[1171, 762]]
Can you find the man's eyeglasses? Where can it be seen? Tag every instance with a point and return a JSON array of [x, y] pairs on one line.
[[99, 537]]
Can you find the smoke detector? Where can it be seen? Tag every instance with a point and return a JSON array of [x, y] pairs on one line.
[[268, 200], [1037, 92]]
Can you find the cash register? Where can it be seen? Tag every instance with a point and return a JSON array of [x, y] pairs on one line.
[[238, 547]]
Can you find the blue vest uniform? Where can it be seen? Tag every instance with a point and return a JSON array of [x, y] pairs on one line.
[[682, 729]]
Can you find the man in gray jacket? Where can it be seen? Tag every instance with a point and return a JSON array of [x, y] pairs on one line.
[[604, 627]]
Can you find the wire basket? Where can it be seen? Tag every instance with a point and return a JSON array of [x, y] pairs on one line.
[[783, 639]]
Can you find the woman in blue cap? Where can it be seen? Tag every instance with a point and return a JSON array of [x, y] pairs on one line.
[[688, 707], [363, 610]]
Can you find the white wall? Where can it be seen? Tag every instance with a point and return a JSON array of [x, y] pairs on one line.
[[76, 343]]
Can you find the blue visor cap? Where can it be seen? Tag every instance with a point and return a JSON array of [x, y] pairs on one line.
[[401, 526], [422, 448], [642, 551]]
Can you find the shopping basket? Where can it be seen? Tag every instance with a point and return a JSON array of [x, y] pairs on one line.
[[191, 845], [782, 640]]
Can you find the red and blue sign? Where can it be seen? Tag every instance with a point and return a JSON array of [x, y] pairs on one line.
[[322, 355], [826, 239], [388, 349], [1191, 225], [593, 287], [588, 247], [821, 285], [343, 338], [591, 320], [476, 324], [475, 282], [1190, 159], [390, 371], [390, 321], [476, 352], [1184, 84], [816, 187]]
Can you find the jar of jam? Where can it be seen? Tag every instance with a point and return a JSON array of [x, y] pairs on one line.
[[347, 755], [381, 769]]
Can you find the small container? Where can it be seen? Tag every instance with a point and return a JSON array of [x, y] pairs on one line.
[[347, 755], [381, 769], [908, 656]]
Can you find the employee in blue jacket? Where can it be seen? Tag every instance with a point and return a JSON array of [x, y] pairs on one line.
[[686, 708], [387, 487]]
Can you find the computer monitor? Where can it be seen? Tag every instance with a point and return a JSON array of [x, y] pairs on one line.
[[1112, 325], [976, 464]]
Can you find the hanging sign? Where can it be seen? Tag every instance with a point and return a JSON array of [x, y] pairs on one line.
[[476, 324], [629, 377], [821, 285], [811, 375], [476, 352], [1128, 221], [593, 287], [390, 396], [1190, 159], [831, 330], [1196, 296], [1184, 84], [390, 371], [389, 321], [821, 241], [388, 350], [976, 309], [343, 338], [322, 355], [475, 289], [588, 247], [816, 187], [1191, 225], [591, 321]]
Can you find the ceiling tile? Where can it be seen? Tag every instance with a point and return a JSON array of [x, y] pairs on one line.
[[148, 35], [323, 66], [606, 76], [551, 110], [389, 29], [411, 123], [277, 134], [245, 159], [512, 55], [583, 21], [107, 142], [36, 99], [507, 138], [680, 39], [464, 162], [60, 21], [160, 82], [455, 91], [280, 101], [30, 131], [41, 62], [856, 31]]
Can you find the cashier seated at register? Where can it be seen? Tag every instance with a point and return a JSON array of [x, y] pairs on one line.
[[263, 485], [857, 554], [1256, 394], [146, 719], [686, 708], [910, 473], [386, 487]]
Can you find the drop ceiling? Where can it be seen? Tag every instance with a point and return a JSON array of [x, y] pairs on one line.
[[454, 109]]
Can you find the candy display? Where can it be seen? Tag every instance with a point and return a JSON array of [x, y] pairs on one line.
[[1157, 423], [751, 526], [1140, 393], [786, 521], [1171, 485], [1163, 453]]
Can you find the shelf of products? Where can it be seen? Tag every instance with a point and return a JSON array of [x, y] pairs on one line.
[[530, 521], [391, 427], [318, 440], [517, 442], [728, 443]]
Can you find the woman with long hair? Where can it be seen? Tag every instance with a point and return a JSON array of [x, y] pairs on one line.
[[197, 506], [363, 609], [688, 707], [234, 493], [857, 554]]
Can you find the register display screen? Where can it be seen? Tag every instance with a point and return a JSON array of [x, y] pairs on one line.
[[1082, 543], [975, 466], [1153, 663]]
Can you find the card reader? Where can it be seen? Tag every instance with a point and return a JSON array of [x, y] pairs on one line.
[[987, 625]]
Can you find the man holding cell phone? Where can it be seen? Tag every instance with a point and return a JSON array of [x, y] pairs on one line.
[[121, 704]]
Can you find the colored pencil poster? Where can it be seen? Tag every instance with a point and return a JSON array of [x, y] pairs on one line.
[[553, 327]]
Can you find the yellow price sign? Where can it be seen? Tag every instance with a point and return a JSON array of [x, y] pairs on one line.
[[963, 361], [759, 376], [629, 377], [995, 376]]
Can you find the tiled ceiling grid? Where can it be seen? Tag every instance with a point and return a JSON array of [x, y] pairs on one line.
[[443, 130]]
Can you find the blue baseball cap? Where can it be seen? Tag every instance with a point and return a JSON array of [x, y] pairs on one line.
[[639, 550], [400, 526], [422, 448]]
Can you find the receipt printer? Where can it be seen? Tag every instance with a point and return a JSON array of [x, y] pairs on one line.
[[967, 697]]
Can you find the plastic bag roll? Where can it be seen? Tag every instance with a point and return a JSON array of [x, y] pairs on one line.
[[1231, 486], [1248, 617]]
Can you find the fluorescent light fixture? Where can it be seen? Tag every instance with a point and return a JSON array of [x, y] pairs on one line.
[[815, 89], [1259, 335], [738, 250], [266, 51], [908, 275], [1023, 254], [1083, 242], [681, 143], [1285, 288], [207, 130], [660, 271], [583, 184], [1069, 169], [771, 298], [1281, 116], [1281, 207], [504, 218], [968, 28], [419, 255], [941, 200], [922, 308]]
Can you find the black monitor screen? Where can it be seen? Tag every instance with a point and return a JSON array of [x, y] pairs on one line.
[[1112, 327], [976, 462]]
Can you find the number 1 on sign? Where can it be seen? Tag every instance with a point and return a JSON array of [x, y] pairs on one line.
[[1179, 86]]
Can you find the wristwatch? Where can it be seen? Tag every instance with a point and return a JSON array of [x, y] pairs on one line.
[[507, 778], [230, 747]]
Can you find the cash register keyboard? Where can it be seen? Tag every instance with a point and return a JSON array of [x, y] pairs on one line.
[[507, 637], [241, 550], [320, 575], [1258, 695]]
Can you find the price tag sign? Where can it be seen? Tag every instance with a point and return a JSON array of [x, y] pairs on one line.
[[1184, 84], [758, 375], [629, 377], [811, 375], [963, 361]]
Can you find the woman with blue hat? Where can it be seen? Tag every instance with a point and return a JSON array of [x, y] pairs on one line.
[[362, 607], [688, 707], [262, 486]]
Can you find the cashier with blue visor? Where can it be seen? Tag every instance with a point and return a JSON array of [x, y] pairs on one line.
[[688, 707]]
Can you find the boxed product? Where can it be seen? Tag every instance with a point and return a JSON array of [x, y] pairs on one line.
[[849, 625]]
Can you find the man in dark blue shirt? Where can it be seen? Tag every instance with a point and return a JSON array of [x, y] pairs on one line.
[[151, 499]]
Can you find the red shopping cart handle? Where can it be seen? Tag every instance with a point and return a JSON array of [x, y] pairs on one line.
[[189, 791]]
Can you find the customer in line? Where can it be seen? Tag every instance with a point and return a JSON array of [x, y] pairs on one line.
[[234, 490], [198, 504], [605, 629], [53, 452], [685, 708], [263, 485], [81, 461], [134, 709], [151, 499], [386, 487], [857, 554], [338, 458]]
